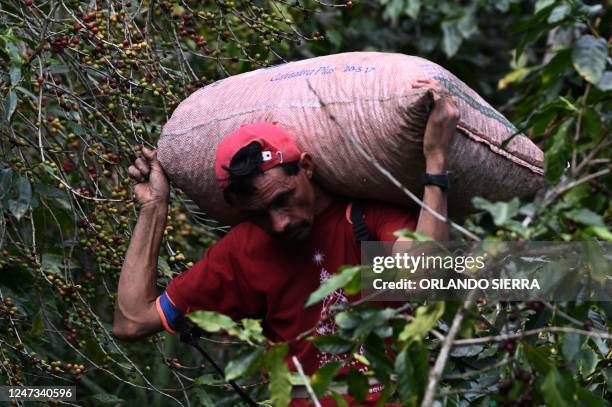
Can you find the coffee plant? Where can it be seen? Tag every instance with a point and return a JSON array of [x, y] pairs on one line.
[[85, 85]]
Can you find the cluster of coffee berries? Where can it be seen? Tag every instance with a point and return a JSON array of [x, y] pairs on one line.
[[173, 363], [8, 309]]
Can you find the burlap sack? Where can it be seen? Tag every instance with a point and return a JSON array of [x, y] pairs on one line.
[[370, 96]]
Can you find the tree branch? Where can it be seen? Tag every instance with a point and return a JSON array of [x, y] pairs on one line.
[[436, 372], [517, 335], [311, 392]]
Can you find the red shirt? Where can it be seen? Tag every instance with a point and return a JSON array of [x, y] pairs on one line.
[[249, 274]]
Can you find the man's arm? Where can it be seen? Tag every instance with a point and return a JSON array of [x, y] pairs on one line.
[[135, 313], [439, 131]]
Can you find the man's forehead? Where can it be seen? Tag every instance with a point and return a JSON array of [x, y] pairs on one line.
[[268, 186]]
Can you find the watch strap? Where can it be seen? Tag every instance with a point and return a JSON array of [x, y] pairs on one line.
[[441, 180]]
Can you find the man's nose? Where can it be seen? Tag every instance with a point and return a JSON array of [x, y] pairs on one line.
[[279, 221]]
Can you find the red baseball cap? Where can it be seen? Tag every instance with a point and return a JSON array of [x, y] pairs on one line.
[[277, 147]]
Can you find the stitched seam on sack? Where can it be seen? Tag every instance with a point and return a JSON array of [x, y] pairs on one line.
[[486, 140], [514, 158]]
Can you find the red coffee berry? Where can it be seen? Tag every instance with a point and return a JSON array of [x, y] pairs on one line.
[[67, 166]]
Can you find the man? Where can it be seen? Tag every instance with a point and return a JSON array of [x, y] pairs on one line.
[[296, 236]]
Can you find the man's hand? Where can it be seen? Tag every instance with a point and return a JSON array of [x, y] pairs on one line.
[[440, 128], [152, 187]]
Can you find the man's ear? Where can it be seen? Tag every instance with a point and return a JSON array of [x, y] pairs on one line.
[[307, 164]]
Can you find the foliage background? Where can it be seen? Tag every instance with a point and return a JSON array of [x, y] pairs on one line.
[[85, 84]]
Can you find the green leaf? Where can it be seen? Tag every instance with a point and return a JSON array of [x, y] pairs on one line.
[[467, 25], [557, 389], [586, 360], [6, 180], [607, 374], [419, 237], [106, 398], [59, 68], [589, 398], [372, 319], [568, 103], [591, 123], [570, 346], [501, 212], [589, 56], [374, 351], [280, 385], [559, 13], [15, 73], [393, 8], [20, 206], [425, 319], [332, 284], [451, 38], [334, 37], [11, 45], [589, 10], [466, 351], [596, 261], [252, 331], [412, 369], [339, 400], [515, 76], [52, 264], [361, 359], [244, 364], [556, 68], [212, 321], [542, 4], [502, 5], [605, 83], [333, 344], [353, 287], [537, 359], [323, 377], [487, 353], [162, 265], [10, 104], [413, 7], [574, 196], [200, 396], [601, 232], [585, 216], [530, 36], [558, 152], [357, 385], [347, 320], [38, 326], [296, 379], [209, 378]]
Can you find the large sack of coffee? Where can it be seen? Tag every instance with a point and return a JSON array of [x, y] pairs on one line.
[[325, 102]]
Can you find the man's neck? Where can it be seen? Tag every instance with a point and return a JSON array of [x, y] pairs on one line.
[[322, 200]]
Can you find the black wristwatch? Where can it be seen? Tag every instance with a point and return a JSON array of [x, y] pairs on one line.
[[440, 180]]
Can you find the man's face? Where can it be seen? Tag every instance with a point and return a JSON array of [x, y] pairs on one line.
[[282, 205]]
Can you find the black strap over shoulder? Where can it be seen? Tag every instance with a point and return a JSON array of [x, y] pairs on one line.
[[360, 229]]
